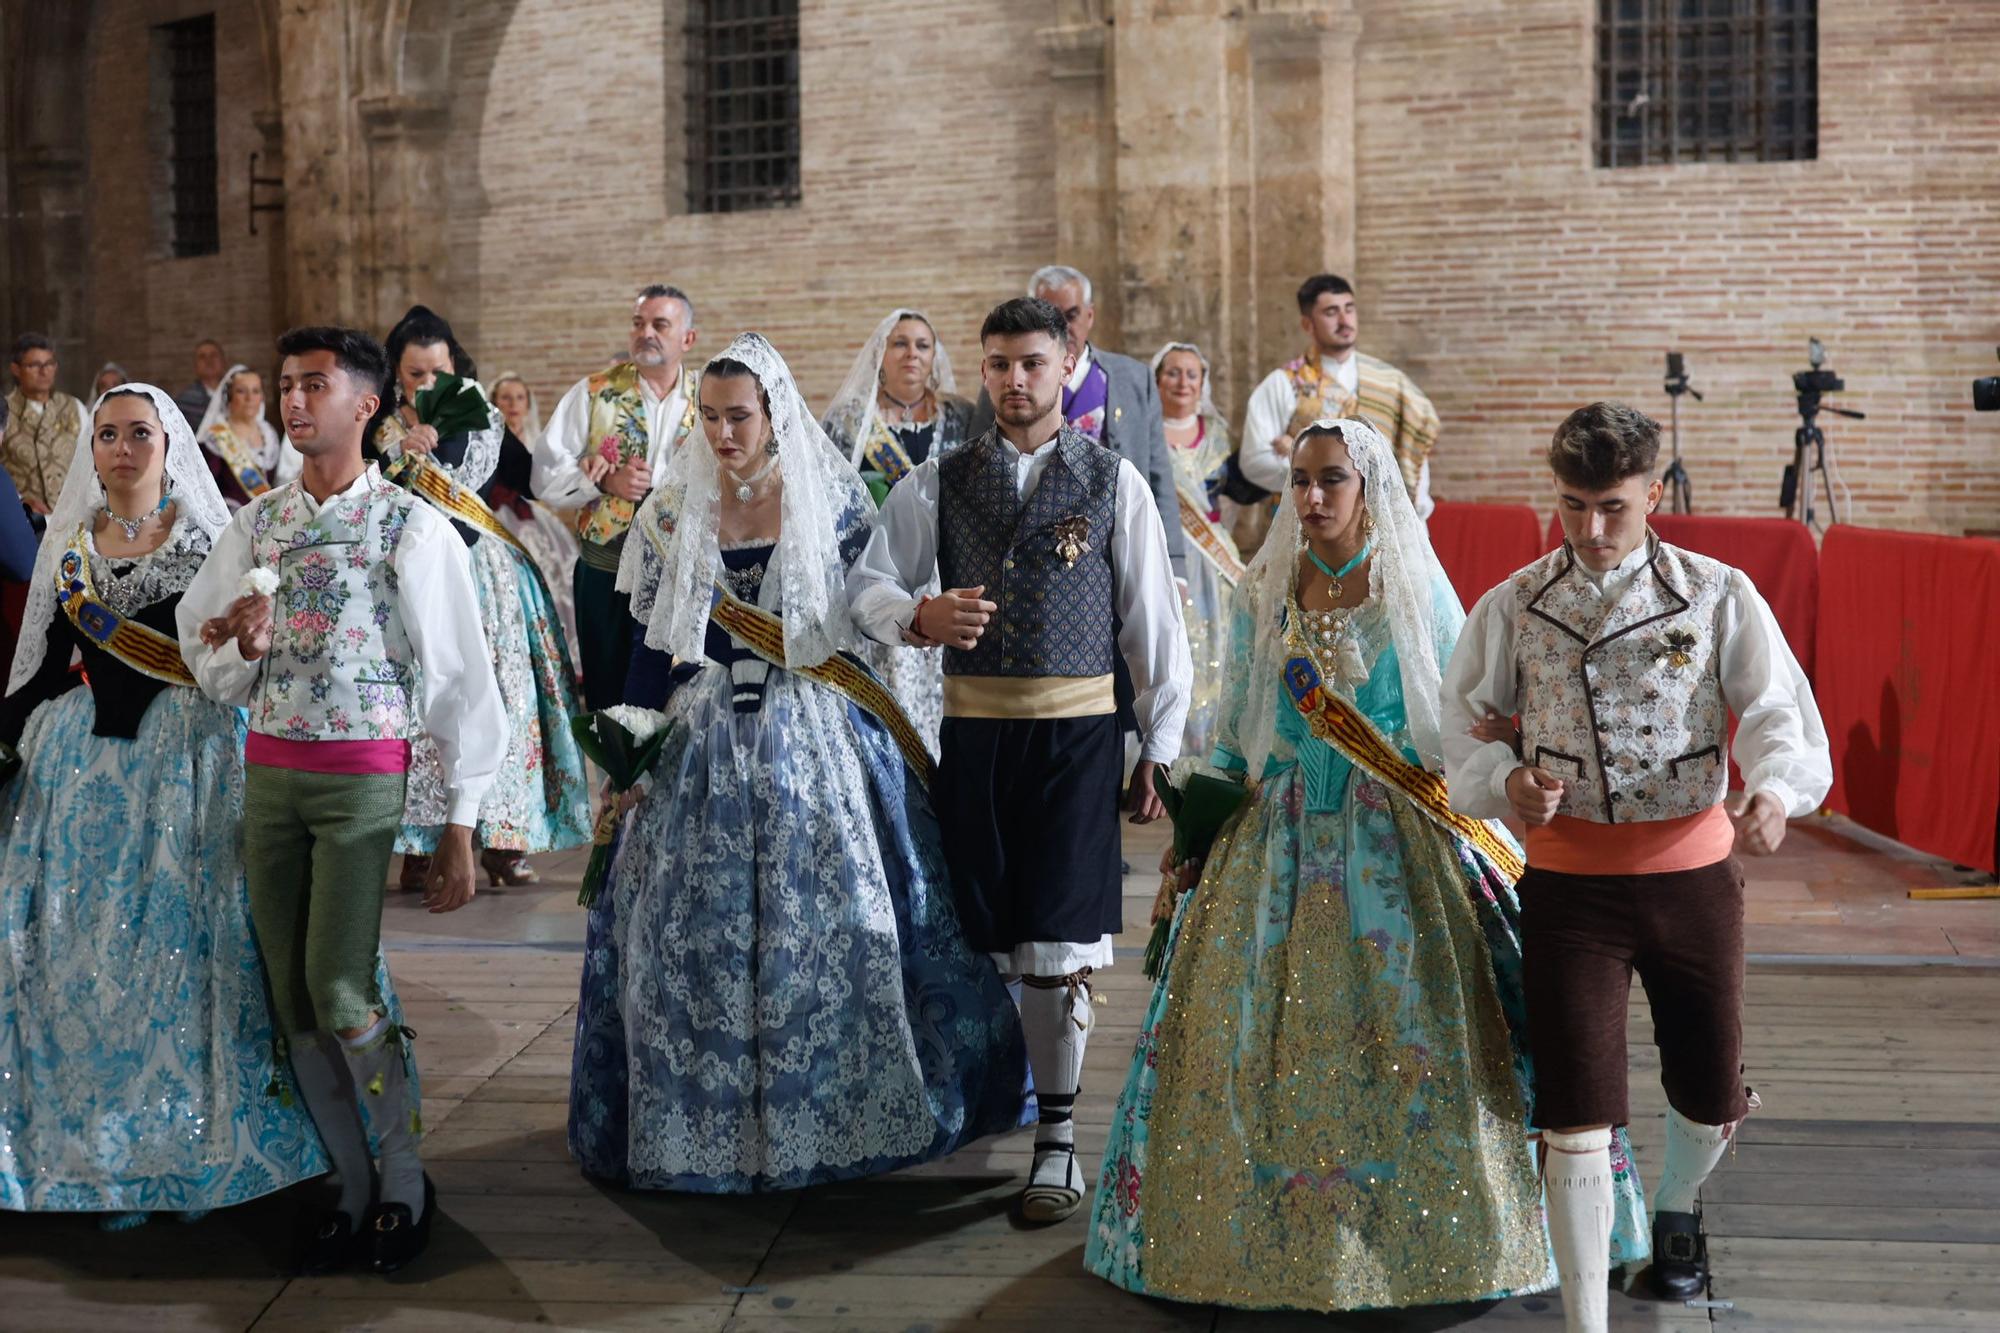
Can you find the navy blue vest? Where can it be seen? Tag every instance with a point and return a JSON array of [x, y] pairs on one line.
[[1046, 562]]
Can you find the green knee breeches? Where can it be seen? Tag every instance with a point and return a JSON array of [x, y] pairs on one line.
[[316, 852]]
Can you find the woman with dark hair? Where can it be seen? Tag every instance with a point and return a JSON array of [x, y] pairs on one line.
[[541, 800], [776, 990], [1330, 1103], [138, 1071]]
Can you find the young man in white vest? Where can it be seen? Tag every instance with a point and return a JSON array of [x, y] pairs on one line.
[[364, 633], [1624, 658]]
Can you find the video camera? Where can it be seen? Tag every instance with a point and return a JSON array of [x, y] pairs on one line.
[[1986, 393], [1810, 384]]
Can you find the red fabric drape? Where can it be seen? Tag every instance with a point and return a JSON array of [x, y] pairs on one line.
[[1909, 685], [1479, 545]]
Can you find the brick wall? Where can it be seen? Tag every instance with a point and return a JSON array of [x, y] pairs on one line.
[[927, 170], [1516, 281], [1508, 275], [147, 309]]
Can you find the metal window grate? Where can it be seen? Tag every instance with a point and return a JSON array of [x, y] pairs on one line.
[[191, 158], [743, 104], [1706, 81]]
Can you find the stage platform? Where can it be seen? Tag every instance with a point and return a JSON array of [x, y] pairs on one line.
[[1864, 1196]]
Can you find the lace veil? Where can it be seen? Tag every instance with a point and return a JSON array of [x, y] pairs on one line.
[[1424, 614], [854, 407], [675, 530], [196, 501]]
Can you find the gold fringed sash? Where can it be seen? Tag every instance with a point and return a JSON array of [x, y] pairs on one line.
[[141, 647], [1335, 721], [885, 453], [1214, 544], [432, 482], [765, 635], [230, 449]]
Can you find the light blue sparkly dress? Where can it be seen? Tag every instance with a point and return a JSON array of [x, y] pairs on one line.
[[1327, 1107], [137, 1064]]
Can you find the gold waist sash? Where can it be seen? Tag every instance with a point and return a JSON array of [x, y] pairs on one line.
[[1028, 696]]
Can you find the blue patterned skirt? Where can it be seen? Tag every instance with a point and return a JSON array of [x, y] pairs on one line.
[[776, 991], [136, 1056]]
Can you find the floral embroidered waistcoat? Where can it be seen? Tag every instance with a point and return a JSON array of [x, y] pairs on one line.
[[1624, 703], [617, 433], [340, 666], [1045, 560]]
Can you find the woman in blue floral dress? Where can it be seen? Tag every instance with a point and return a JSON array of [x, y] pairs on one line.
[[1329, 1106], [137, 1071], [776, 990]]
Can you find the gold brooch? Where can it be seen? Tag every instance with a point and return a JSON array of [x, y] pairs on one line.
[[1071, 536], [1678, 652]]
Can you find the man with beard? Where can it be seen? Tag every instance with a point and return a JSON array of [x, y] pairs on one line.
[[596, 461], [1055, 563], [1333, 379]]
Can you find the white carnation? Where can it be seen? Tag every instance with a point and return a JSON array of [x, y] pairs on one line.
[[257, 583], [643, 723]]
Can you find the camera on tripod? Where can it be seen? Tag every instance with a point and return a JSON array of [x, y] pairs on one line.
[[1986, 393], [1810, 456]]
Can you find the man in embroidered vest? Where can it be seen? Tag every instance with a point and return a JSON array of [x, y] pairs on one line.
[[44, 425], [596, 459], [339, 609], [1625, 658], [1055, 560], [1334, 379]]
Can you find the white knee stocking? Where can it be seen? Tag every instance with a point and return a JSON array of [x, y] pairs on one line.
[[1055, 1022], [1576, 1171], [1692, 1153]]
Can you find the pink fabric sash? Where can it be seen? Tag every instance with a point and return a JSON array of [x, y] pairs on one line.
[[328, 756]]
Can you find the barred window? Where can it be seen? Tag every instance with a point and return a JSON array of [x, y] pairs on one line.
[[188, 52], [1706, 81], [743, 104]]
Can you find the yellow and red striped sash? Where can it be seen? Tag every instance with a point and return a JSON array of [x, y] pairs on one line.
[[1213, 543], [764, 633], [436, 485], [1337, 722], [141, 647]]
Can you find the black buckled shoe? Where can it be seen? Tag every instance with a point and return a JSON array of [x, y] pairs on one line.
[[1680, 1257], [393, 1238], [330, 1246]]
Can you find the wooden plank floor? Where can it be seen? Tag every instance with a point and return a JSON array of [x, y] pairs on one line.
[[1864, 1196]]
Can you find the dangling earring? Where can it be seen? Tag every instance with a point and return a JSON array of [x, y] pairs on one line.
[[771, 447], [1367, 524]]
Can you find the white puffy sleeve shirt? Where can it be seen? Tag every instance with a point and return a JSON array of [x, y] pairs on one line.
[[460, 700], [1781, 743], [901, 556]]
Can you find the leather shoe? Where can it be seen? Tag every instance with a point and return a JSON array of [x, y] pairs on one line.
[[394, 1238], [1680, 1256], [331, 1245]]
